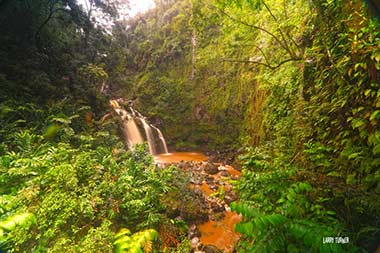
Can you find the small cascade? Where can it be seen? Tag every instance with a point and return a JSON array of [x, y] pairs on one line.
[[134, 113], [149, 136], [133, 121], [131, 132], [162, 139]]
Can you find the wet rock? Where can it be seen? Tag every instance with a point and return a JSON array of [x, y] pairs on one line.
[[198, 192], [160, 165], [194, 166], [194, 232], [185, 165], [194, 207], [229, 199], [196, 178], [230, 195], [210, 168], [181, 164], [209, 180], [194, 242], [197, 168], [213, 187], [196, 181], [211, 249], [217, 208], [224, 173]]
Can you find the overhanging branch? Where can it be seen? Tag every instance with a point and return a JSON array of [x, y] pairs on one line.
[[49, 17], [277, 39], [280, 31], [264, 55], [272, 67]]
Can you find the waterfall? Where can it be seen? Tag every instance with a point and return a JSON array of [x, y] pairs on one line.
[[132, 131], [149, 136], [162, 139]]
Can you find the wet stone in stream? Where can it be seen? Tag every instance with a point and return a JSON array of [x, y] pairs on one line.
[[210, 168], [194, 231], [224, 173]]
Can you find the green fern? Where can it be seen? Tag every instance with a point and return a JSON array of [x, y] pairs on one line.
[[276, 232], [10, 223], [139, 242]]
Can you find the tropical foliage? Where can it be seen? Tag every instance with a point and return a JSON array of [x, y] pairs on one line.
[[71, 190], [291, 87]]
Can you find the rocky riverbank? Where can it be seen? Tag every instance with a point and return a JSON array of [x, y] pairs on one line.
[[210, 221]]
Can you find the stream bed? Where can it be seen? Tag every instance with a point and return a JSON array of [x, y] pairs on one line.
[[214, 233]]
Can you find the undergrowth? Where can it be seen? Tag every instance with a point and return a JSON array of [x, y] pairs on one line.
[[69, 185]]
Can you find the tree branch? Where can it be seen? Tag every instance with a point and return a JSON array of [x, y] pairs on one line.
[[264, 55], [280, 31], [272, 67], [270, 12], [258, 28], [52, 12], [282, 41]]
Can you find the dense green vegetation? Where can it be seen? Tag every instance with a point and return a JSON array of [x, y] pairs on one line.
[[291, 87], [70, 189]]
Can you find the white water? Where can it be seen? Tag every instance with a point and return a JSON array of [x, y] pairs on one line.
[[161, 136], [132, 132], [149, 136]]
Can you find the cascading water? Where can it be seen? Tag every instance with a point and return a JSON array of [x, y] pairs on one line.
[[149, 136], [132, 132], [162, 139]]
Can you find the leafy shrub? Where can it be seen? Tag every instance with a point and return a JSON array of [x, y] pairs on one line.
[[281, 213]]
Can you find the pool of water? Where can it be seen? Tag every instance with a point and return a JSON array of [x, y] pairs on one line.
[[180, 156]]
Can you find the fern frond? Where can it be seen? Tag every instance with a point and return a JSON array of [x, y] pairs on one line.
[[137, 243], [147, 246]]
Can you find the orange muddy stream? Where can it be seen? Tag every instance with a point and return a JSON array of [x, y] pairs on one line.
[[221, 233], [180, 156], [218, 233]]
